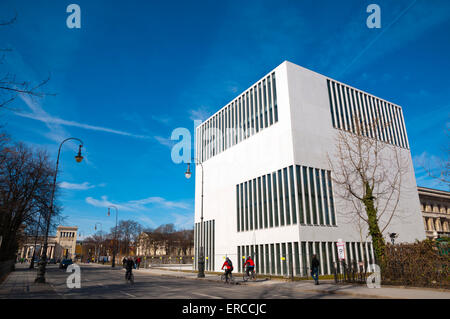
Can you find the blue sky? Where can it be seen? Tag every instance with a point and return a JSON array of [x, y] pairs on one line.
[[136, 70]]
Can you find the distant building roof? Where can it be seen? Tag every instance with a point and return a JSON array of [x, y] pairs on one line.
[[424, 191]]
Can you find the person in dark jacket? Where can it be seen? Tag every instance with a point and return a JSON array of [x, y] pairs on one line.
[[129, 265], [315, 264], [138, 262]]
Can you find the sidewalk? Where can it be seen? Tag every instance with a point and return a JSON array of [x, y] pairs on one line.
[[384, 292], [20, 285], [326, 287]]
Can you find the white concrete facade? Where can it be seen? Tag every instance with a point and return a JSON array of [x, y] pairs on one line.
[[302, 136]]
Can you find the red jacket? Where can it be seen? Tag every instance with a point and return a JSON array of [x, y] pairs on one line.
[[226, 264], [249, 262]]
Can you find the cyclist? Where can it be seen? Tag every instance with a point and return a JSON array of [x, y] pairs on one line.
[[129, 265], [250, 265], [228, 268]]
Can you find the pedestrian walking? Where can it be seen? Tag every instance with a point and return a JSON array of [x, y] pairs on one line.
[[129, 265], [315, 264], [138, 262]]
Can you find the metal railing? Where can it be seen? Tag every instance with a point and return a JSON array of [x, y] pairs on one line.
[[352, 272]]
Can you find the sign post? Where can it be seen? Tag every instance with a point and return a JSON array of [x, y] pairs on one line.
[[341, 249], [341, 253]]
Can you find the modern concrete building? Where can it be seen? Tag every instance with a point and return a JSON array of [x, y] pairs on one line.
[[60, 246], [435, 207], [268, 188]]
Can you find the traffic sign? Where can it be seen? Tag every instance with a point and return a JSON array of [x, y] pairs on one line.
[[341, 249]]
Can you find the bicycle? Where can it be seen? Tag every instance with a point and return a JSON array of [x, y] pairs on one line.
[[230, 278], [129, 277], [252, 276]]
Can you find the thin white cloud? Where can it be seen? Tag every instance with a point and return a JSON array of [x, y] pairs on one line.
[[138, 205], [183, 221], [146, 220], [73, 186], [199, 114], [410, 22], [56, 133], [165, 141], [161, 119], [428, 164], [54, 120], [232, 86], [427, 160]]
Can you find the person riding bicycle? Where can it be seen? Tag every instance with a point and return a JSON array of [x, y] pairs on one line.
[[250, 265], [129, 265], [228, 268]]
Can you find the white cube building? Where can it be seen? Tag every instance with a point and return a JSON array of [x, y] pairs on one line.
[[268, 190]]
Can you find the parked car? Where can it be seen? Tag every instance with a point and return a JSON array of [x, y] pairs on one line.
[[65, 263]]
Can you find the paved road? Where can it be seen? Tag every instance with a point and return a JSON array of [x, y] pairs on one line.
[[105, 283]]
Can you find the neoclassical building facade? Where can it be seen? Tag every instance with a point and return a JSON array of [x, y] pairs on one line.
[[60, 246], [148, 245], [435, 207]]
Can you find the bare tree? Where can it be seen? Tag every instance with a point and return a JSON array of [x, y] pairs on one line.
[[25, 185], [127, 233], [186, 238], [368, 177], [10, 86], [166, 232], [167, 238]]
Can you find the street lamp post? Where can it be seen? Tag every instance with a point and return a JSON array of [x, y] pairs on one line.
[[43, 262], [115, 235], [201, 257], [101, 236], [81, 244], [35, 242]]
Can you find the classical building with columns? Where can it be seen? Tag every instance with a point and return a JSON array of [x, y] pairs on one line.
[[435, 207], [60, 246]]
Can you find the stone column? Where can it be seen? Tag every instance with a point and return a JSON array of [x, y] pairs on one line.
[[307, 258]]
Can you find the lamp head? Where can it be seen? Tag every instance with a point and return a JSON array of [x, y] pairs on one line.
[[79, 158], [188, 172]]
